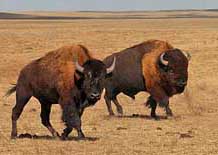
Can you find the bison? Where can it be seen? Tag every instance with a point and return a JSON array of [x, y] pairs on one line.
[[153, 66], [69, 76]]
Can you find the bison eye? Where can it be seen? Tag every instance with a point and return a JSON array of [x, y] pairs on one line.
[[170, 70]]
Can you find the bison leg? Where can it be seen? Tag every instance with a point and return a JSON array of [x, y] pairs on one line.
[[66, 132], [81, 112], [118, 106], [72, 120], [22, 97], [168, 110], [108, 103], [153, 105], [45, 118]]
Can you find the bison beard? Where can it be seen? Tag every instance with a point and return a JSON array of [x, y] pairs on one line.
[[72, 118]]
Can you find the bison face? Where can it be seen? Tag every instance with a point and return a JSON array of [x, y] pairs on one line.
[[174, 69], [93, 74]]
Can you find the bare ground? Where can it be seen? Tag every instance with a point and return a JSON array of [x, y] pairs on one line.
[[192, 130]]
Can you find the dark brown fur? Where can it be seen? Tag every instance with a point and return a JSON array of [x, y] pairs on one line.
[[137, 69], [52, 79]]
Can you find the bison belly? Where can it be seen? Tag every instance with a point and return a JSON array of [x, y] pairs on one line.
[[47, 95], [40, 81]]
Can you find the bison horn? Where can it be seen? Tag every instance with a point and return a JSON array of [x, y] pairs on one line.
[[111, 68], [187, 54], [164, 62], [79, 68]]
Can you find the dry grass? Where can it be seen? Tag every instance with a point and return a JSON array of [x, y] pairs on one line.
[[193, 129]]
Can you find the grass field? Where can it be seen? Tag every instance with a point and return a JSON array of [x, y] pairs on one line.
[[192, 130]]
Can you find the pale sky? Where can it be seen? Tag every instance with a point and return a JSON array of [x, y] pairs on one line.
[[104, 5]]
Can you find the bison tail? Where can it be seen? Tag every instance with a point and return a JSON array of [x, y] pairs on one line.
[[11, 90]]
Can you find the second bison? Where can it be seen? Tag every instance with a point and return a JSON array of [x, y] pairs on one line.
[[153, 66]]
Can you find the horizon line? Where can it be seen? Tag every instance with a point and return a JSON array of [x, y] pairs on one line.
[[208, 9]]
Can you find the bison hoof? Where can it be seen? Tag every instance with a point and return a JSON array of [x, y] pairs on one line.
[[111, 113], [80, 138], [81, 135], [63, 136], [120, 110], [169, 112], [55, 134], [155, 117], [13, 135]]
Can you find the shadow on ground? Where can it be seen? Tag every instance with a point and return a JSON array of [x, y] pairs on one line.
[[48, 137], [148, 117]]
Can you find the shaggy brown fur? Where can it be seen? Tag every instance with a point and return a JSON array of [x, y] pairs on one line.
[[56, 69], [52, 79], [150, 68], [138, 68]]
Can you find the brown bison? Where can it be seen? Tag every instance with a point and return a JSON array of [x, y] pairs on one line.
[[68, 76], [153, 66]]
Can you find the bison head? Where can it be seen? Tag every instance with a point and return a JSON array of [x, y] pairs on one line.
[[93, 73], [173, 65]]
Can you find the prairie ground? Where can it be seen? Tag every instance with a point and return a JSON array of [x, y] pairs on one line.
[[192, 130]]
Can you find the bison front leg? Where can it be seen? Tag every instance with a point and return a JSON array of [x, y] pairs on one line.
[[71, 117], [168, 110], [153, 105], [118, 106], [165, 105], [108, 103], [161, 97], [45, 117]]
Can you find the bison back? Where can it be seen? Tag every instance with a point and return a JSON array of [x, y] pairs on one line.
[[53, 74], [127, 76]]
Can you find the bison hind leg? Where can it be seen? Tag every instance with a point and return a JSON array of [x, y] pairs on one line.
[[168, 110], [22, 97], [45, 117]]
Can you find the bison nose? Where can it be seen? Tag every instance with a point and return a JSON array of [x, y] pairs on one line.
[[182, 82], [95, 95]]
